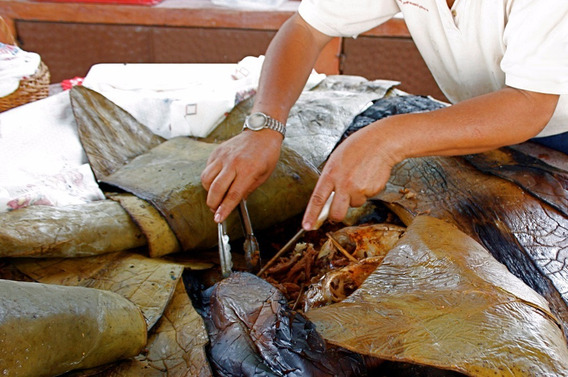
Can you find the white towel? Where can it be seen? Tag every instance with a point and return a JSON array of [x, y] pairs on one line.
[[41, 158], [15, 64]]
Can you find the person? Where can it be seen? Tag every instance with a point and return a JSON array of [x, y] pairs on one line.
[[503, 64]]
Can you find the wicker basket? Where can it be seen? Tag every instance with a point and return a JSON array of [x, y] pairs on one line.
[[31, 88]]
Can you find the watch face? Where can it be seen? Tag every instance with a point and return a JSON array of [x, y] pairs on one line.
[[256, 121]]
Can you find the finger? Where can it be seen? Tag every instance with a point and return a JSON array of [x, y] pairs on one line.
[[238, 191], [209, 174], [219, 188], [357, 200], [339, 206], [321, 192]]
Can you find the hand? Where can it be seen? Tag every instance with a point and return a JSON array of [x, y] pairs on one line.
[[237, 167], [357, 170]]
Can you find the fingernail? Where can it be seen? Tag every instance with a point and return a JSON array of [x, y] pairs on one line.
[[307, 226], [217, 217]]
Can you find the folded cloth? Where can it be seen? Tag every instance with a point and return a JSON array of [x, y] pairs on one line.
[[41, 158], [68, 187], [15, 64]]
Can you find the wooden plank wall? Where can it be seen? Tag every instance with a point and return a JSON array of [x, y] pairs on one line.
[[71, 37]]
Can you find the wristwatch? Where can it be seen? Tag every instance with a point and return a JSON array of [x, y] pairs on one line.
[[258, 121]]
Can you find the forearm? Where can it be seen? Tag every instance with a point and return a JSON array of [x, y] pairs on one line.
[[505, 117], [289, 61], [360, 166]]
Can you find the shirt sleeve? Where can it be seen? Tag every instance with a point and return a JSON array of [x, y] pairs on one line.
[[350, 18], [536, 40]]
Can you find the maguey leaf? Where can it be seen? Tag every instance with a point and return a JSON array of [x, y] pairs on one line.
[[93, 228], [440, 299], [47, 330], [148, 282]]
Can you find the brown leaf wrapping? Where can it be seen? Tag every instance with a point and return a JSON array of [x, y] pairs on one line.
[[46, 330], [147, 282], [72, 231], [168, 176]]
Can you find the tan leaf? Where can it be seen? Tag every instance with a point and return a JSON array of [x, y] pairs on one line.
[[440, 299], [161, 239], [93, 228], [147, 282], [46, 330], [176, 347]]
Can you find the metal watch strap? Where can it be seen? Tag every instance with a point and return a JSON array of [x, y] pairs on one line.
[[276, 125]]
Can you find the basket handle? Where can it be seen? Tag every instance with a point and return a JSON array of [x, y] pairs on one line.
[[6, 35]]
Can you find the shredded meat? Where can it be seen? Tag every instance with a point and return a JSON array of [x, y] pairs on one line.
[[309, 278]]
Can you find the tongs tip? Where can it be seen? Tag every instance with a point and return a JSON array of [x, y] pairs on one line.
[[251, 246], [224, 249]]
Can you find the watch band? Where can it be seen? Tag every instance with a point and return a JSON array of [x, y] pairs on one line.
[[276, 125]]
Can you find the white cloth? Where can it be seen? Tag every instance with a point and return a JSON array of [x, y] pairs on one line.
[[41, 158], [477, 47], [179, 99], [15, 64]]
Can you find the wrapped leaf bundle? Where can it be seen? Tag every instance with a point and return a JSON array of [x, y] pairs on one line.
[[47, 330], [93, 228], [149, 283], [168, 176], [167, 173]]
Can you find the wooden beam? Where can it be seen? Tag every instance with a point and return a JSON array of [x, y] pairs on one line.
[[178, 13], [188, 13]]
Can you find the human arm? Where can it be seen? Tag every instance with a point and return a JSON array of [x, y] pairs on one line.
[[238, 166], [360, 167]]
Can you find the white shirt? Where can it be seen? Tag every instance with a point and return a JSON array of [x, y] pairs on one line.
[[477, 47]]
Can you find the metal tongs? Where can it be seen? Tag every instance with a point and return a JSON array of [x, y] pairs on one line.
[[251, 247], [224, 249]]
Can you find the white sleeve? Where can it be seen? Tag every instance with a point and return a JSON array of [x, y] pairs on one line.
[[536, 40], [340, 18]]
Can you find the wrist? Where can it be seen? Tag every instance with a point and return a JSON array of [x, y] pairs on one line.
[[266, 135], [389, 140]]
